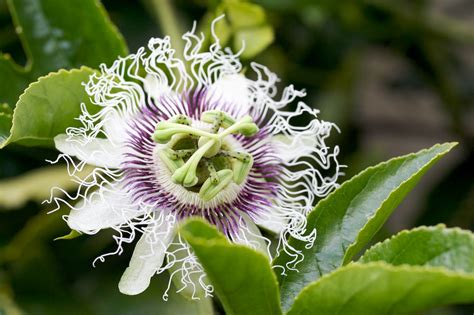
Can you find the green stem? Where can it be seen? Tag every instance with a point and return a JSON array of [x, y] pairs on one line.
[[169, 23]]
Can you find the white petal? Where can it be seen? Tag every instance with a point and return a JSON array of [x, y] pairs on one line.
[[293, 147], [99, 152], [147, 258], [156, 87], [250, 235], [109, 206], [275, 224], [115, 127], [232, 90]]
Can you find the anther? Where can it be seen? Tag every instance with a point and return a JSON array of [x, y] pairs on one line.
[[210, 189], [211, 116], [186, 174], [212, 172]]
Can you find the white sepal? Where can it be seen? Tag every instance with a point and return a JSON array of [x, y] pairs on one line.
[[248, 234], [107, 207], [232, 90], [148, 256], [96, 151]]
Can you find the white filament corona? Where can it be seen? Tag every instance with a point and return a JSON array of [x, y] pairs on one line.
[[123, 90]]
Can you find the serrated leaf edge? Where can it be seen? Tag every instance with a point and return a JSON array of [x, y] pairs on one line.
[[31, 85], [387, 267], [433, 228], [449, 146]]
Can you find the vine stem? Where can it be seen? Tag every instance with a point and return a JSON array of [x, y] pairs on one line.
[[169, 23]]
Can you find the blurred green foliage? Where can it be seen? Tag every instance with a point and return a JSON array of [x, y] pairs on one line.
[[319, 45]]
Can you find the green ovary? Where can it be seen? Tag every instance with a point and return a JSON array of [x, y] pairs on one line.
[[201, 160]]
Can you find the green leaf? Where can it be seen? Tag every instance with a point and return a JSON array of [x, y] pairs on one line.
[[427, 246], [378, 288], [58, 34], [244, 14], [242, 278], [350, 216], [256, 40], [244, 22], [72, 235], [48, 107]]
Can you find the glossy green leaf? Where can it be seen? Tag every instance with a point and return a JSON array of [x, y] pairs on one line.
[[48, 107], [427, 246], [58, 34], [242, 278], [350, 216], [378, 288]]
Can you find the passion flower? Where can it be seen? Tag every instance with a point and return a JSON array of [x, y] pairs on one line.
[[173, 138]]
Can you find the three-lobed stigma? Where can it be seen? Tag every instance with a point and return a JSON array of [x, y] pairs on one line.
[[201, 160]]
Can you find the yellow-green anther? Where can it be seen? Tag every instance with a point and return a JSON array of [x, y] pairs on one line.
[[165, 130], [244, 126], [209, 189], [241, 168], [212, 173], [211, 116], [216, 125], [181, 119], [241, 156], [248, 129], [186, 174], [212, 150], [171, 161]]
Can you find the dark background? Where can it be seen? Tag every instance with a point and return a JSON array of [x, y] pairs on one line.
[[395, 76]]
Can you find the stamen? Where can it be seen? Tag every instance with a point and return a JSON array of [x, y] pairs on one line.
[[190, 151], [165, 130], [241, 156], [181, 119], [210, 189], [241, 168], [244, 126], [212, 172], [217, 116], [170, 159], [186, 174]]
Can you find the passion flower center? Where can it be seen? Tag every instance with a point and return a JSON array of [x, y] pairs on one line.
[[201, 160]]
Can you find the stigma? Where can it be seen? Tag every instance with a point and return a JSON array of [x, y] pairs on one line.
[[200, 156]]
